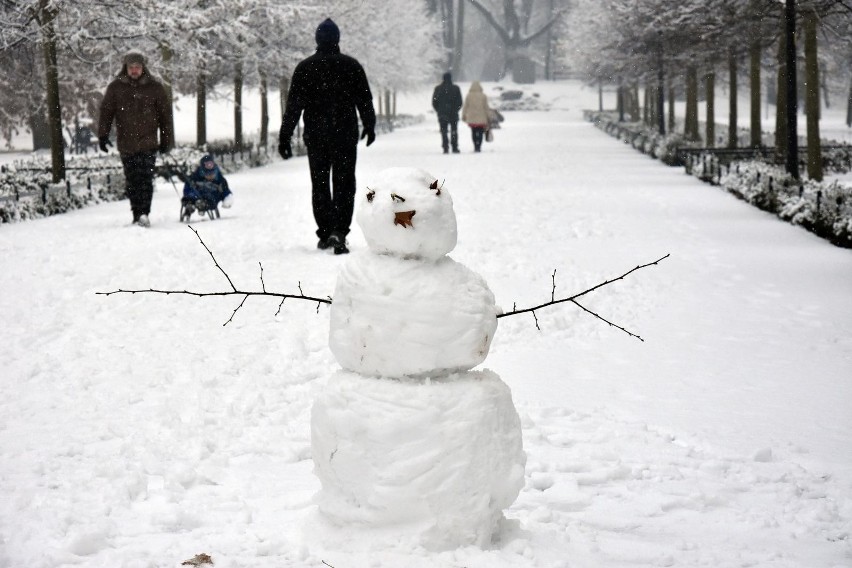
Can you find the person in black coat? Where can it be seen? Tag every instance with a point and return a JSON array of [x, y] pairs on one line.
[[329, 86], [447, 100]]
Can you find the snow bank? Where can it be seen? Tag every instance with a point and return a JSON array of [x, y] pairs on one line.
[[430, 462]]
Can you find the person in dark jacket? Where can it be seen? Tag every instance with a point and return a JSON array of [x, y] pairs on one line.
[[329, 86], [138, 104], [447, 100]]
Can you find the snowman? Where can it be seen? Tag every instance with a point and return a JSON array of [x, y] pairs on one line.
[[408, 442]]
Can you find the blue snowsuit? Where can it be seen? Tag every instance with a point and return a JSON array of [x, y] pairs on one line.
[[206, 188]]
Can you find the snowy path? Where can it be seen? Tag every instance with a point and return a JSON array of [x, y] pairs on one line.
[[138, 431]]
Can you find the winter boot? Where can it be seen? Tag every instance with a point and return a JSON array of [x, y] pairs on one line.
[[338, 242]]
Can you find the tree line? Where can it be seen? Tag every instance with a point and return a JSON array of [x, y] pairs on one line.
[[672, 48]]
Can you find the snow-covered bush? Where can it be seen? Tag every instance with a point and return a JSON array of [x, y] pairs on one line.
[[27, 191], [823, 208], [516, 98], [640, 136]]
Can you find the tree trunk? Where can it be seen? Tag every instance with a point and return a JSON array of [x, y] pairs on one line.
[[634, 103], [283, 88], [672, 123], [264, 111], [781, 98], [710, 124], [792, 161], [645, 106], [600, 95], [167, 54], [754, 84], [238, 107], [732, 100], [690, 127], [457, 64], [661, 101], [201, 110], [388, 104], [812, 96], [619, 101], [849, 106], [449, 31], [54, 110]]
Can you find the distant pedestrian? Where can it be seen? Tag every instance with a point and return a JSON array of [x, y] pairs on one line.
[[447, 101], [475, 113], [329, 86], [141, 109]]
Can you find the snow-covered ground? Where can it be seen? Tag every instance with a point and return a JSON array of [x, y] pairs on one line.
[[139, 431]]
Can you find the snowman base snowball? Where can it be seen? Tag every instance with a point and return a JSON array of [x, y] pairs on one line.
[[428, 462]]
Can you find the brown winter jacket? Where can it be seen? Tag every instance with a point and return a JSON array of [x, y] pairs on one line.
[[140, 109]]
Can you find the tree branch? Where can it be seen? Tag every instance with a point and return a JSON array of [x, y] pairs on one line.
[[233, 292], [573, 298]]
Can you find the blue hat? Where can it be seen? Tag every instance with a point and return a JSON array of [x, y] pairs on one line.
[[207, 158], [327, 33]]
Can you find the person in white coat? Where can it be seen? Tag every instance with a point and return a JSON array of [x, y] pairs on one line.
[[475, 113]]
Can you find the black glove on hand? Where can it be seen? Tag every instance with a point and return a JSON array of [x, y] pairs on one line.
[[164, 148], [370, 135], [285, 150], [103, 142]]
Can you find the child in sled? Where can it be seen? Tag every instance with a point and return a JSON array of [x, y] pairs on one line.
[[205, 189]]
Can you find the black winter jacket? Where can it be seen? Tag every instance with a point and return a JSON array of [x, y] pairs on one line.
[[447, 100], [328, 86]]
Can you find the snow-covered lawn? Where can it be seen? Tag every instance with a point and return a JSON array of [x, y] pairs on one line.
[[139, 431]]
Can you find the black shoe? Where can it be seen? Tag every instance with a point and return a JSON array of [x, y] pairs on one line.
[[455, 150], [446, 151], [323, 244], [339, 244]]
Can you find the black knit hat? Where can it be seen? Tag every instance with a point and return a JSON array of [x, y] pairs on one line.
[[327, 33]]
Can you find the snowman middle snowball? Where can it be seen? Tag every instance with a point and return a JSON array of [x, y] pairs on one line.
[[405, 308]]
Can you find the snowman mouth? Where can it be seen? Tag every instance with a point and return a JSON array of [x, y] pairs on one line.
[[403, 218]]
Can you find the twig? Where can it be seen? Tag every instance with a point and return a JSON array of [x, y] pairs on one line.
[[573, 298], [234, 288], [234, 291], [588, 311]]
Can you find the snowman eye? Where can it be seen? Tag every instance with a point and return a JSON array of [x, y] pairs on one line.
[[370, 195], [434, 185], [397, 198]]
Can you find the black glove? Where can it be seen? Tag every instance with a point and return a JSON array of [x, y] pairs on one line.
[[370, 135], [285, 150], [103, 142], [164, 148]]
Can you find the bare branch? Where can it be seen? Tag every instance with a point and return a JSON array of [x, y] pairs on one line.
[[233, 292], [553, 290], [230, 319], [573, 298], [234, 288], [588, 311]]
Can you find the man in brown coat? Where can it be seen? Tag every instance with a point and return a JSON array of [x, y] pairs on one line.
[[140, 107]]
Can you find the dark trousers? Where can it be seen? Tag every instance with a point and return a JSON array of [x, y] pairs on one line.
[[333, 210], [139, 181], [477, 132], [452, 125]]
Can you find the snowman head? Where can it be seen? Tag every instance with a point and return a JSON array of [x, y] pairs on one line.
[[407, 212]]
